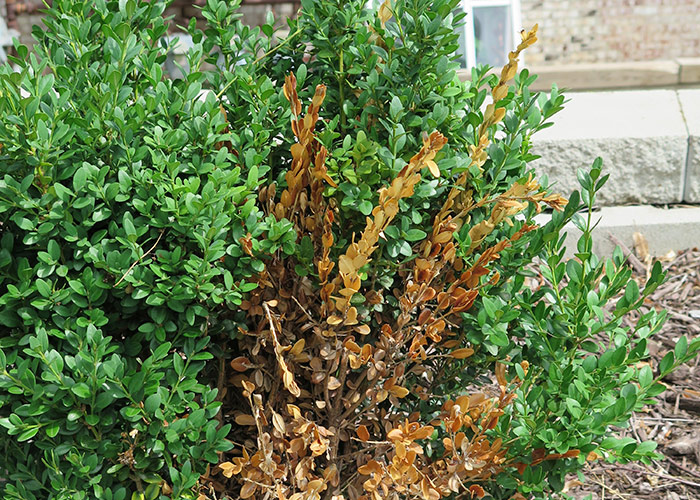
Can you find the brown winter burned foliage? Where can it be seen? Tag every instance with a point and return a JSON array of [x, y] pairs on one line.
[[319, 387]]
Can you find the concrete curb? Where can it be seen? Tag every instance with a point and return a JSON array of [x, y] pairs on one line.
[[675, 73], [665, 229]]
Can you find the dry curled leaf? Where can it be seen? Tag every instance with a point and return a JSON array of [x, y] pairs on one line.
[[333, 383], [241, 364], [298, 347], [399, 392], [227, 468], [244, 419], [278, 423], [477, 491], [363, 433], [385, 12], [334, 320], [462, 353], [363, 329]]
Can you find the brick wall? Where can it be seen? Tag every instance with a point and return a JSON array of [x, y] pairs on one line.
[[23, 14], [573, 31], [254, 12]]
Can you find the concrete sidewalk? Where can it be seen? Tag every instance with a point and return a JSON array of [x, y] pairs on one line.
[[665, 229]]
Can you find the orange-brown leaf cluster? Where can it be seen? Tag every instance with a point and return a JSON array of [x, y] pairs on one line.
[[322, 387]]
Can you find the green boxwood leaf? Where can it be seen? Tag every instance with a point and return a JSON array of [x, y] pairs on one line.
[[81, 390], [152, 403], [27, 434]]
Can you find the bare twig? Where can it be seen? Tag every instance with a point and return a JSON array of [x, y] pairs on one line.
[[681, 467], [139, 259], [608, 488], [658, 474], [631, 258], [684, 403], [308, 315]]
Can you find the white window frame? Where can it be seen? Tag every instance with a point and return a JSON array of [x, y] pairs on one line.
[[468, 8]]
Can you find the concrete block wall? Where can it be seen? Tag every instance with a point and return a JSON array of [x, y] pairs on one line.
[[689, 101], [665, 229], [575, 31]]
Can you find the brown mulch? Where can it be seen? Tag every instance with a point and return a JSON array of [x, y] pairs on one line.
[[675, 422]]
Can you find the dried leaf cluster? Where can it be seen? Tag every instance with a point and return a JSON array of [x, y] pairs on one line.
[[321, 385]]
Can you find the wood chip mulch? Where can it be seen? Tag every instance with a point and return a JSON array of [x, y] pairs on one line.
[[675, 422]]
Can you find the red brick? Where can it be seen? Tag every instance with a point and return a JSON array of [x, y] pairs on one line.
[[612, 30]]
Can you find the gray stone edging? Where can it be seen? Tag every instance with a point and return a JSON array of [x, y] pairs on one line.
[[664, 229], [649, 141], [599, 76]]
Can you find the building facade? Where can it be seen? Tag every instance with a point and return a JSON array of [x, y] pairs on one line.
[[571, 31], [611, 31]]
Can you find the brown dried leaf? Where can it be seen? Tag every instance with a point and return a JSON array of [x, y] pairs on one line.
[[355, 361], [290, 384], [351, 316], [371, 467], [641, 246], [501, 374], [227, 468], [278, 422], [333, 383], [241, 364], [477, 491], [298, 347], [363, 433], [351, 346], [244, 419], [334, 320], [345, 265], [319, 96], [384, 12], [399, 392], [462, 353], [424, 315], [247, 490], [432, 166], [363, 329]]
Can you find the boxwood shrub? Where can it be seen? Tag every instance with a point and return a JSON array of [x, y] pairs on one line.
[[208, 282]]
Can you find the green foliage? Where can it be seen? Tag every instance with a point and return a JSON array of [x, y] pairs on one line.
[[126, 198], [387, 85], [119, 217], [586, 365]]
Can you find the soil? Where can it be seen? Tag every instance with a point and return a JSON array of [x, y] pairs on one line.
[[674, 423]]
